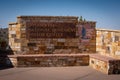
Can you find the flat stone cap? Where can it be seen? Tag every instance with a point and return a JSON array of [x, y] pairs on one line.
[[103, 58]]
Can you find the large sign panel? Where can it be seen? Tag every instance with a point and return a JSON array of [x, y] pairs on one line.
[[86, 33], [50, 30]]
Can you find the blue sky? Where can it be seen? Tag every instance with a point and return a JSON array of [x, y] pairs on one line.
[[105, 12]]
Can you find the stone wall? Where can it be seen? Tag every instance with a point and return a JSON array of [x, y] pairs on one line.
[[52, 34], [105, 64], [99, 62], [14, 37], [108, 42], [50, 60]]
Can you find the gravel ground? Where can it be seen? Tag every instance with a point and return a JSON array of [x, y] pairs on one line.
[[55, 73]]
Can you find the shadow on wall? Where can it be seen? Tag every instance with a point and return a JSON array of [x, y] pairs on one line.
[[4, 59]]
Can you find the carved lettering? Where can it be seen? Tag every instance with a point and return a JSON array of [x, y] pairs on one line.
[[50, 30]]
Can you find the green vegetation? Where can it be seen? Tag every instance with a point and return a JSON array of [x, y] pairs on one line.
[[81, 19]]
